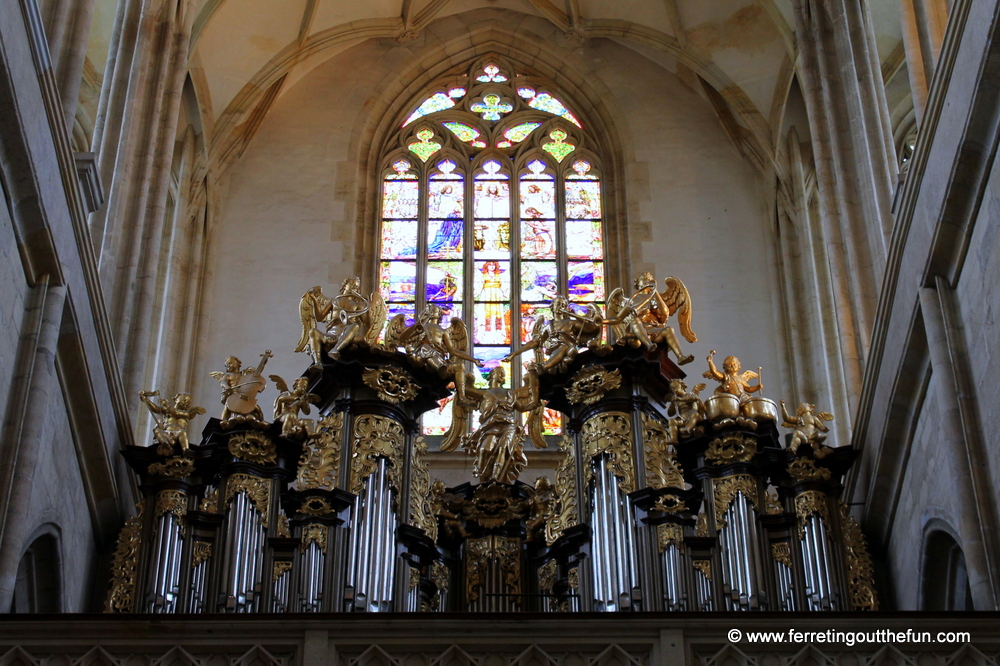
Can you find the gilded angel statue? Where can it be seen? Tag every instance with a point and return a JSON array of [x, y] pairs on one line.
[[498, 442], [349, 318], [686, 410], [809, 427], [240, 387], [290, 403], [561, 337], [733, 379], [641, 320], [171, 430]]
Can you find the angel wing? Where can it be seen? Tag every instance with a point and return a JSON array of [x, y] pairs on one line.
[[459, 334], [377, 314], [279, 383], [698, 388], [309, 314], [536, 418], [747, 375], [394, 332], [825, 416], [459, 426], [678, 301], [616, 303]]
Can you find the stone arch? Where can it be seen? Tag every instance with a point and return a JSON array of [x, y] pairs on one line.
[[944, 573], [38, 587]]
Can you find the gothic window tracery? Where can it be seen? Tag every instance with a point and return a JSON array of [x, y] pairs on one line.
[[491, 205]]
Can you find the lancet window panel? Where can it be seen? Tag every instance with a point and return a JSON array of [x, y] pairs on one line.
[[491, 205]]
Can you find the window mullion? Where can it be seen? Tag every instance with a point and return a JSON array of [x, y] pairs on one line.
[[420, 297], [515, 274]]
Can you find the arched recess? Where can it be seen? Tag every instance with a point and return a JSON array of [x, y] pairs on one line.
[[38, 587], [944, 577]]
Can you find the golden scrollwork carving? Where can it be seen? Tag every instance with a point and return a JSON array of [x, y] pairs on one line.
[[860, 571], [725, 493], [124, 565], [176, 467], [731, 448], [316, 534], [321, 462], [257, 489], [669, 534], [704, 566], [562, 511], [210, 503], [414, 581], [281, 567], [172, 501], [701, 526], [282, 529], [200, 552], [255, 447], [376, 437], [316, 506], [421, 499], [808, 503], [391, 384], [590, 384], [440, 575], [782, 553], [548, 575], [492, 506], [662, 469], [670, 504], [804, 469], [506, 551], [610, 433], [772, 504]]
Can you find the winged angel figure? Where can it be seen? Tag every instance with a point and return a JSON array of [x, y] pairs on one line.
[[641, 320], [808, 427], [350, 318], [290, 403]]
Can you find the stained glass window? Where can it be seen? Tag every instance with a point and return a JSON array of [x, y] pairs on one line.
[[491, 205]]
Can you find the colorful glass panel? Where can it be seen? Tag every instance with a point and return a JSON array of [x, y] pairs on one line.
[[398, 280], [449, 310], [445, 239], [491, 324], [400, 198], [585, 281], [437, 421], [583, 239], [464, 132], [492, 357], [549, 104], [424, 147], [551, 422], [492, 281], [491, 107], [531, 313], [444, 280], [583, 199], [538, 239], [436, 102], [520, 132], [492, 199], [538, 199], [406, 309], [491, 239], [399, 239], [492, 74], [559, 147], [445, 199], [539, 281]]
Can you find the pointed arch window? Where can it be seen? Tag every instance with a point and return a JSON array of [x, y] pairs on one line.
[[491, 205]]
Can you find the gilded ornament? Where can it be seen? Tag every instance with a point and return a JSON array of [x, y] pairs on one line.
[[562, 510], [281, 567], [504, 551], [320, 463], [422, 512], [670, 504], [725, 493], [124, 564], [701, 526], [557, 341], [860, 571], [662, 469], [210, 503], [732, 380], [376, 437], [171, 430], [492, 506], [669, 534], [804, 469], [316, 506], [255, 447], [349, 318], [176, 468], [391, 384], [686, 411], [548, 576], [704, 566], [282, 529], [440, 575], [610, 433], [316, 534], [808, 427], [173, 501], [240, 387], [808, 503], [782, 553], [590, 384], [414, 581], [731, 448], [290, 403], [200, 552], [773, 504], [257, 489], [539, 509], [641, 320], [573, 578]]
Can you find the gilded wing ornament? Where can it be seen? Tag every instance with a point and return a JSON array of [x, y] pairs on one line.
[[394, 333], [747, 375], [459, 334], [279, 383], [310, 316], [459, 426], [678, 301], [616, 303], [536, 422], [377, 314], [825, 416]]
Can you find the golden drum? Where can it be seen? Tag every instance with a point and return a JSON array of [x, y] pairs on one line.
[[760, 409], [720, 406]]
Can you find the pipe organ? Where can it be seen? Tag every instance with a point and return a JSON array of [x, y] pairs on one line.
[[662, 501]]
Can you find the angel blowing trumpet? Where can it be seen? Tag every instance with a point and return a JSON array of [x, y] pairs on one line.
[[641, 320], [349, 317]]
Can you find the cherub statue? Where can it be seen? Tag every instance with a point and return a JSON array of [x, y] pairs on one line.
[[498, 442], [562, 336], [239, 391], [731, 380], [288, 405], [641, 320], [539, 505], [687, 410], [349, 317], [451, 524], [808, 427], [439, 349], [172, 429]]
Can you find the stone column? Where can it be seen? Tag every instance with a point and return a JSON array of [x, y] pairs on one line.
[[924, 23], [854, 157], [67, 27]]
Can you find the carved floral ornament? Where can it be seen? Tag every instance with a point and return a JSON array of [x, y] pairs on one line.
[[321, 461], [392, 385], [662, 469], [255, 447], [376, 437], [610, 433], [670, 534], [506, 551], [316, 534], [590, 384], [421, 501], [171, 501], [124, 564], [257, 489], [809, 503], [860, 570], [562, 511], [201, 551], [725, 493], [177, 468], [731, 448]]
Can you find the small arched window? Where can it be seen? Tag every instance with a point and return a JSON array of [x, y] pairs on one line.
[[38, 588], [945, 584], [491, 205]]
